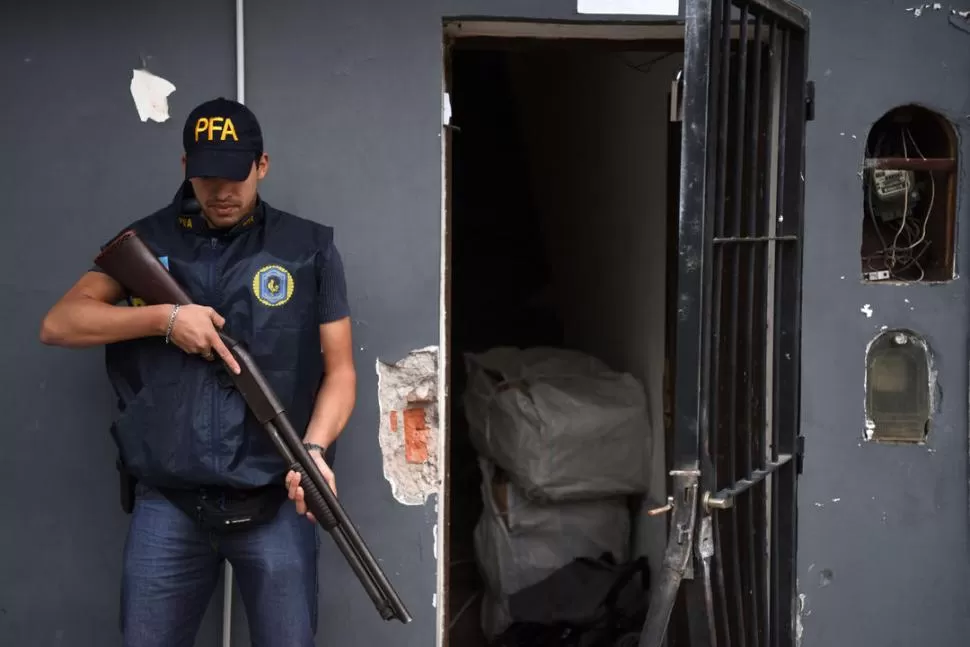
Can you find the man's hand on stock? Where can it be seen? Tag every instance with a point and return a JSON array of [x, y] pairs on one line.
[[296, 493]]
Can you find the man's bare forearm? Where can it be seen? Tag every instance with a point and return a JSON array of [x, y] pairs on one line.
[[82, 322], [334, 404]]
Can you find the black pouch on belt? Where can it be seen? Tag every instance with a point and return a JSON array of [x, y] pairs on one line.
[[227, 510]]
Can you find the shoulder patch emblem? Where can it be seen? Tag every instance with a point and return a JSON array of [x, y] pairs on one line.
[[273, 285]]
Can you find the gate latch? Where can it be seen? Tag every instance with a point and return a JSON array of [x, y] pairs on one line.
[[715, 502], [709, 501], [664, 509]]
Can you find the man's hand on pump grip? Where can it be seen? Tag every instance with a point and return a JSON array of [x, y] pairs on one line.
[[296, 493]]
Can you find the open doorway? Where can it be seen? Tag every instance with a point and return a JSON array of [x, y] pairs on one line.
[[562, 189]]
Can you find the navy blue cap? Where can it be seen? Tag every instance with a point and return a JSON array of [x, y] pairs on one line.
[[222, 139]]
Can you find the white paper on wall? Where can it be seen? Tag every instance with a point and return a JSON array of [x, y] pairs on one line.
[[150, 93], [630, 7]]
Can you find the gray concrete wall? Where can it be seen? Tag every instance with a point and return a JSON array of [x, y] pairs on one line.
[[79, 165], [883, 530], [349, 94]]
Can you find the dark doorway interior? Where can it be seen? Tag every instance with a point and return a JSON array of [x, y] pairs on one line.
[[559, 194]]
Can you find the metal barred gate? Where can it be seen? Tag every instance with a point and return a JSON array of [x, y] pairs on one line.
[[729, 567]]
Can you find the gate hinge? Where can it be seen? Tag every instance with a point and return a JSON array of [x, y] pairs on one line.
[[810, 101], [799, 454]]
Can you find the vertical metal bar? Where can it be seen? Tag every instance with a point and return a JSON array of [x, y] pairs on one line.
[[769, 216], [726, 308], [743, 519], [693, 269], [720, 96], [754, 383], [782, 177], [721, 110], [789, 328], [694, 299], [777, 601], [741, 87], [703, 598]]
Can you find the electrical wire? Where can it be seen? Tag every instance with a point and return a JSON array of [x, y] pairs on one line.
[[646, 66], [909, 242], [464, 608]]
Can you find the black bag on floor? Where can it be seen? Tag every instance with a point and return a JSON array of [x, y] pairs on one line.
[[587, 603]]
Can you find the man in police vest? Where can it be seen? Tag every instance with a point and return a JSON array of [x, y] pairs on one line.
[[275, 282]]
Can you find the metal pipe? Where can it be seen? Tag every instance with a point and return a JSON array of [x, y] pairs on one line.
[[227, 576], [240, 51]]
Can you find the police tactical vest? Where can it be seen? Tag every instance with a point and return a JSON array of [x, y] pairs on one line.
[[181, 423]]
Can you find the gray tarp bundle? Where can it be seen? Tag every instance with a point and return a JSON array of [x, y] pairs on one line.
[[572, 437], [561, 423], [521, 542]]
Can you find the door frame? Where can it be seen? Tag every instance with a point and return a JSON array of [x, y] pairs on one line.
[[660, 35]]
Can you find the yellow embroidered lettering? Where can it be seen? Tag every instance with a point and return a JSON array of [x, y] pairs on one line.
[[209, 126], [201, 126], [229, 130], [215, 123]]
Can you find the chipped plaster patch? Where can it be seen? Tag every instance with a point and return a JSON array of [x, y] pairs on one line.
[[799, 613], [407, 392], [866, 310]]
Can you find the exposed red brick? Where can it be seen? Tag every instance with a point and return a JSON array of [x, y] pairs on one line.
[[415, 436], [394, 421]]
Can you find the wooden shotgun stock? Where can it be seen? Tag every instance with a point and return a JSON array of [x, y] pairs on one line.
[[130, 262]]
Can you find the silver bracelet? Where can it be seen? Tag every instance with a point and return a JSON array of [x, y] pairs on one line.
[[171, 323]]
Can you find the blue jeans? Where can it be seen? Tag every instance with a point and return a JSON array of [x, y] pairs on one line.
[[171, 568]]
